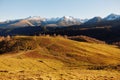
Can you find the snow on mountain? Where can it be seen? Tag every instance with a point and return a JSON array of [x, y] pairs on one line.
[[82, 20], [61, 21], [52, 19], [68, 18], [54, 22], [112, 17], [40, 21], [35, 18], [68, 21]]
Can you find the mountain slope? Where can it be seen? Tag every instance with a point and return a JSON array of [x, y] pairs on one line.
[[21, 23], [94, 20], [112, 17]]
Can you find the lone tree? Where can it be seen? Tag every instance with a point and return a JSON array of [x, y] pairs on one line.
[[8, 38], [44, 29]]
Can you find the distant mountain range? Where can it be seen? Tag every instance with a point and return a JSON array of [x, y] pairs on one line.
[[54, 22], [98, 19], [39, 21]]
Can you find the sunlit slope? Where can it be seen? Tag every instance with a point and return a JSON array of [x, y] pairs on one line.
[[73, 51], [44, 52]]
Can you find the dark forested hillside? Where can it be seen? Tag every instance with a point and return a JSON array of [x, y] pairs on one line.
[[108, 31]]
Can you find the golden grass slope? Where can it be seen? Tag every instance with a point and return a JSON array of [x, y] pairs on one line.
[[65, 50], [58, 58]]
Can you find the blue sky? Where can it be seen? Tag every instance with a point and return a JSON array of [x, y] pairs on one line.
[[15, 9]]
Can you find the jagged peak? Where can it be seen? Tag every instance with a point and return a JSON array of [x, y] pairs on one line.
[[112, 16]]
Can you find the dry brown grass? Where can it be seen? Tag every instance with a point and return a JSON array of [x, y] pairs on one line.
[[75, 74], [57, 58]]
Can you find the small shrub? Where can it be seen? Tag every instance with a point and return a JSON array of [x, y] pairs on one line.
[[97, 67], [5, 71]]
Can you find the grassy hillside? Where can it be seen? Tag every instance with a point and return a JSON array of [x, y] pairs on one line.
[[65, 50], [42, 54]]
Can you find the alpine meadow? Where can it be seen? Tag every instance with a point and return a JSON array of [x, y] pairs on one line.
[[59, 40]]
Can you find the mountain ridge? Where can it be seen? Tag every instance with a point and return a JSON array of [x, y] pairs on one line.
[[55, 22]]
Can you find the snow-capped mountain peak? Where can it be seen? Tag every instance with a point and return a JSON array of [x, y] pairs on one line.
[[35, 18], [82, 20], [67, 18], [55, 22], [112, 17], [52, 19]]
